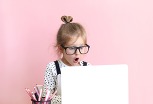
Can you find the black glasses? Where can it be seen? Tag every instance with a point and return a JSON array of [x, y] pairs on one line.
[[72, 50]]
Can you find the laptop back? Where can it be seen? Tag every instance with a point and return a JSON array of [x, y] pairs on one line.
[[100, 84]]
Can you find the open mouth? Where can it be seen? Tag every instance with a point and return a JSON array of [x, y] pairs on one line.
[[76, 59]]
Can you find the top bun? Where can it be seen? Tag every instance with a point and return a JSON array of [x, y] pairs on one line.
[[66, 19]]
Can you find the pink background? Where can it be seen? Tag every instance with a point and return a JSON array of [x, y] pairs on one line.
[[119, 32]]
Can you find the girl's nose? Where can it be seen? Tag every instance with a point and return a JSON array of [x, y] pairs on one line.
[[77, 51]]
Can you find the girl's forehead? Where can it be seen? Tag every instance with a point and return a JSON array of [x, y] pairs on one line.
[[76, 41]]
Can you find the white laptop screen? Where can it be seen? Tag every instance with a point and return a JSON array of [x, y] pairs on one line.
[[101, 84]]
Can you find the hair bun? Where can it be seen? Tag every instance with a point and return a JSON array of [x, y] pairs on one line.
[[66, 19]]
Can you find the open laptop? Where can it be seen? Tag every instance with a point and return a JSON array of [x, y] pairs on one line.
[[100, 84]]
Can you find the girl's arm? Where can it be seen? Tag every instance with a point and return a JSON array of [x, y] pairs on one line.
[[49, 79]]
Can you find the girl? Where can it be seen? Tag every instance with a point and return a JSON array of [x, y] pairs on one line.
[[72, 46]]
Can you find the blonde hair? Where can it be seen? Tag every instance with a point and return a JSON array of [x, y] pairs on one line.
[[69, 30]]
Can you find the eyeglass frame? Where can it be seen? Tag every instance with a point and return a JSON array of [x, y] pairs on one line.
[[76, 48]]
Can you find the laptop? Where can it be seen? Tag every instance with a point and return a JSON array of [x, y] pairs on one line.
[[97, 84]]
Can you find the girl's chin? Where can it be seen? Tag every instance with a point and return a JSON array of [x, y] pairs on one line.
[[76, 64]]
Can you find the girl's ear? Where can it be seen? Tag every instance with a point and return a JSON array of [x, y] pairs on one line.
[[60, 49]]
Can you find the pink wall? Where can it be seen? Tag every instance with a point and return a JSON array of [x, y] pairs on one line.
[[119, 31]]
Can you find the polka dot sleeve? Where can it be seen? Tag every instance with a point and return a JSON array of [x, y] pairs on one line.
[[50, 78], [56, 99]]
